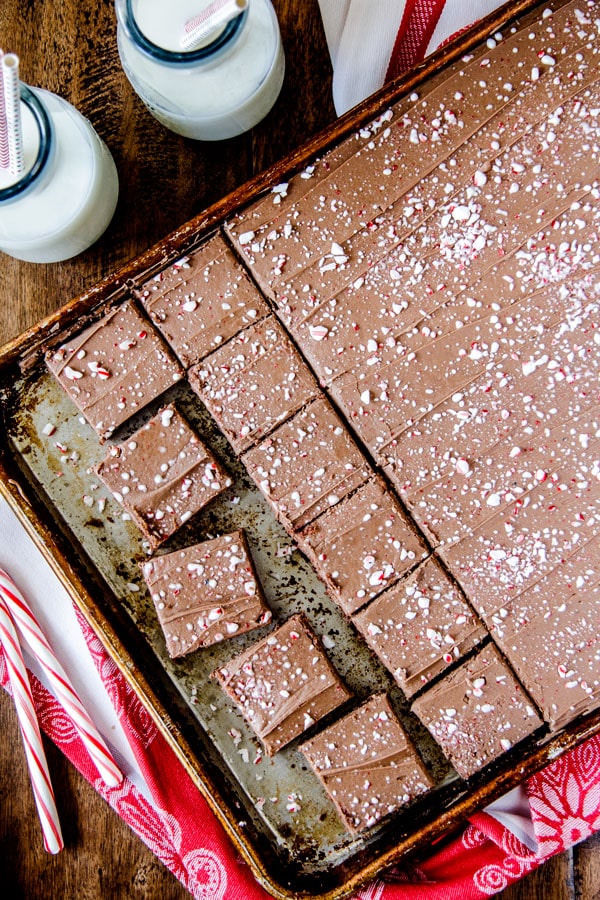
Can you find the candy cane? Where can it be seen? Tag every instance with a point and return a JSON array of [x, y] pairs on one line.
[[59, 680], [30, 732]]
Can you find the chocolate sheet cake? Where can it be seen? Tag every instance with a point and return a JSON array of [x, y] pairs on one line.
[[307, 465], [367, 764], [206, 593], [477, 712], [162, 475], [114, 368], [420, 626], [413, 386], [283, 684], [202, 300], [254, 382], [440, 273]]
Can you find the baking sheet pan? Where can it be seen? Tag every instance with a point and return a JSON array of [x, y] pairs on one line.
[[273, 808]]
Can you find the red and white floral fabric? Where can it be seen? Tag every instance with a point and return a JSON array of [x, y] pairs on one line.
[[175, 822]]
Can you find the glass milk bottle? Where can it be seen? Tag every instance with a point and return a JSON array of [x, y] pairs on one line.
[[66, 196], [212, 92]]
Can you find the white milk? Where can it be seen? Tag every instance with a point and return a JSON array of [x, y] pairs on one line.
[[71, 200], [162, 23], [213, 93]]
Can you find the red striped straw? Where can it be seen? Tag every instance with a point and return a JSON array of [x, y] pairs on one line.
[[59, 681], [4, 157], [30, 732], [12, 108], [216, 15]]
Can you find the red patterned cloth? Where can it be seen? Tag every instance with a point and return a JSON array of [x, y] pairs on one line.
[[179, 827]]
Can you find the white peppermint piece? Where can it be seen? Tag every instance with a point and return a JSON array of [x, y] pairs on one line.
[[461, 213], [463, 467], [318, 332]]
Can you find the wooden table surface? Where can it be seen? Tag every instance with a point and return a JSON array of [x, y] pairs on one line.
[[70, 48]]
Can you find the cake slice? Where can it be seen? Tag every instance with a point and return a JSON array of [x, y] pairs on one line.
[[201, 300], [362, 545], [307, 465], [253, 383], [420, 626], [367, 764], [283, 684], [114, 368], [162, 475], [549, 635], [477, 712], [206, 593]]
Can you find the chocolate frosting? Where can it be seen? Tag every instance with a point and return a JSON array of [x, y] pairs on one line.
[[439, 272], [114, 368], [163, 474], [283, 684], [367, 764], [206, 593], [307, 465], [362, 545], [477, 712], [253, 383], [202, 300], [420, 626]]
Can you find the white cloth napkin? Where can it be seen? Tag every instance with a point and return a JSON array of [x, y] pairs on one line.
[[361, 35]]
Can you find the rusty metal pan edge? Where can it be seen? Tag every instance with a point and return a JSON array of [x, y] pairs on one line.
[[30, 343]]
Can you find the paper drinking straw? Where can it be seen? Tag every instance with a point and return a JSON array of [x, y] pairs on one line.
[[59, 680], [4, 157], [12, 106], [216, 15], [30, 732]]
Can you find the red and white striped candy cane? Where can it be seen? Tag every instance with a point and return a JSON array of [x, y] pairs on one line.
[[59, 680], [30, 731]]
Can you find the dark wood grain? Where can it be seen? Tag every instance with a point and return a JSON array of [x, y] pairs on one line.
[[69, 47]]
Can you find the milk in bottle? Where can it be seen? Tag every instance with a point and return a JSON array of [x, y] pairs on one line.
[[215, 91], [66, 195]]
